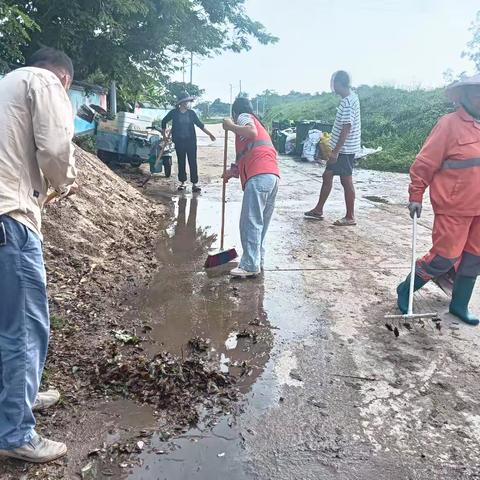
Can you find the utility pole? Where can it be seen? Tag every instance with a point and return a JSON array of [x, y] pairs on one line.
[[257, 105], [183, 69], [240, 92], [191, 68], [231, 96]]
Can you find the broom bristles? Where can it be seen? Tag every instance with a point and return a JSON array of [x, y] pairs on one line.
[[221, 258]]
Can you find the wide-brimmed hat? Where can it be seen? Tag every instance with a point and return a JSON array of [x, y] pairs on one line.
[[184, 97], [454, 90]]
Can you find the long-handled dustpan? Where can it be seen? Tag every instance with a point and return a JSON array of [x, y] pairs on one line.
[[223, 256], [410, 315]]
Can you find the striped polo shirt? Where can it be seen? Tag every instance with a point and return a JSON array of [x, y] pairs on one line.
[[348, 112]]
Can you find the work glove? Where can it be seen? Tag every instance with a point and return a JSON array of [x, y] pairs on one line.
[[415, 207]]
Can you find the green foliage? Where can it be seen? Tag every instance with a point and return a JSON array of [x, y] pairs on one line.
[[216, 109], [56, 323], [15, 30], [138, 43], [87, 143], [174, 89], [398, 120], [473, 47]]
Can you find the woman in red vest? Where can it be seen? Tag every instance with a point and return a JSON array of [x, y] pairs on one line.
[[256, 165]]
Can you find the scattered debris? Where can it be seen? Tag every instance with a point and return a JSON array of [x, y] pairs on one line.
[[176, 385], [198, 344], [125, 337], [89, 471], [296, 376]]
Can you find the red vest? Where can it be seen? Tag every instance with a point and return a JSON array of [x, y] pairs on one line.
[[256, 155]]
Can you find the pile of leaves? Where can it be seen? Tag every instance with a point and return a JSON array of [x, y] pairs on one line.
[[164, 381]]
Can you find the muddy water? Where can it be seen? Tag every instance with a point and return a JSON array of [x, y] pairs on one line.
[[185, 302], [245, 322]]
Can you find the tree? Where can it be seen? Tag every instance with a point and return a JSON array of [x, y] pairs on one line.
[[174, 89], [15, 30], [473, 47], [138, 43]]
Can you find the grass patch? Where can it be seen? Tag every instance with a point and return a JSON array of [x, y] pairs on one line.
[[398, 120], [56, 323]]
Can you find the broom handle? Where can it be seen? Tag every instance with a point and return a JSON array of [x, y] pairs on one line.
[[412, 273], [224, 189]]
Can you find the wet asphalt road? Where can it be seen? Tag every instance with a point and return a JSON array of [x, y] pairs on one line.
[[328, 391]]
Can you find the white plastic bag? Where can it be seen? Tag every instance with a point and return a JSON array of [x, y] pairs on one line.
[[310, 144]]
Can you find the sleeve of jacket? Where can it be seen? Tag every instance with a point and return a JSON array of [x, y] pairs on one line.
[[52, 120], [197, 121], [167, 118], [429, 160]]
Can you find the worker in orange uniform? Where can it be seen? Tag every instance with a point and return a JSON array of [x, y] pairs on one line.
[[449, 163]]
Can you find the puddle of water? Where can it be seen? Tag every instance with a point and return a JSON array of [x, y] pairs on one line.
[[247, 323]]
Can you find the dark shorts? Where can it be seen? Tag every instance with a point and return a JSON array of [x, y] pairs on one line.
[[343, 166]]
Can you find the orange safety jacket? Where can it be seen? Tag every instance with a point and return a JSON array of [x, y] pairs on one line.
[[449, 163], [256, 155]]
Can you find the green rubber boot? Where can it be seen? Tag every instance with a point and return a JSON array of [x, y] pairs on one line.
[[403, 291], [462, 292]]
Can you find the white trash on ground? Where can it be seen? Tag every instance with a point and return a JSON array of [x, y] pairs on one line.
[[310, 144], [364, 152], [290, 140]]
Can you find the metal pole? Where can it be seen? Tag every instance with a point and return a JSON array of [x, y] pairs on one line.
[[414, 261], [231, 97], [191, 68], [240, 92], [113, 98]]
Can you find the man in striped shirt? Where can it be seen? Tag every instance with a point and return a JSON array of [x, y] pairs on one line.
[[345, 143]]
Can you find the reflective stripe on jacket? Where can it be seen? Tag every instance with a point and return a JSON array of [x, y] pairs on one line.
[[256, 155], [449, 163]]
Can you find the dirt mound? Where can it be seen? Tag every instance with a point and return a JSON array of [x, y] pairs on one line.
[[99, 246]]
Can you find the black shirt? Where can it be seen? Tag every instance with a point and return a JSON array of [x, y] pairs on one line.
[[183, 124]]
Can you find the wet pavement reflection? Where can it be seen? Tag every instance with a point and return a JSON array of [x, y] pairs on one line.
[[244, 323]]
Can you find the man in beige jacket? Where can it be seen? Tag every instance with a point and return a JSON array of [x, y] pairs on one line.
[[36, 153]]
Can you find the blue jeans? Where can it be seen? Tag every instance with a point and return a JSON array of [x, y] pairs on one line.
[[257, 209], [24, 330]]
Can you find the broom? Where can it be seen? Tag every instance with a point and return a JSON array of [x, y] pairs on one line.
[[223, 256]]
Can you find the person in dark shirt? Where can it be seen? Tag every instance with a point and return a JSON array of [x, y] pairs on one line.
[[183, 120]]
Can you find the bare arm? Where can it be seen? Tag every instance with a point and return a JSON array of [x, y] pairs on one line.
[[247, 131], [165, 120]]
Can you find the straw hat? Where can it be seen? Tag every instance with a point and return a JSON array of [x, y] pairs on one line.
[[454, 90], [184, 97]]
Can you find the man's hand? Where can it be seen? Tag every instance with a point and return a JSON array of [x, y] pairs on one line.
[[212, 137], [231, 172], [73, 189], [228, 124], [333, 157], [415, 208]]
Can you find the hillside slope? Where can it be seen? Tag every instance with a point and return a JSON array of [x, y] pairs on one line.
[[398, 120]]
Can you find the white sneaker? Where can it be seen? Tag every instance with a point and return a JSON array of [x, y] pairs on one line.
[[37, 450], [46, 400], [241, 273]]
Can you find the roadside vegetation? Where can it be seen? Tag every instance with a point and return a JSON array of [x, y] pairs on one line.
[[395, 119]]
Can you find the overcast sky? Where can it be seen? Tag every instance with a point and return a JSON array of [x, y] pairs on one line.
[[394, 42]]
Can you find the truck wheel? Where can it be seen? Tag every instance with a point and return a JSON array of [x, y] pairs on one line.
[[135, 161]]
